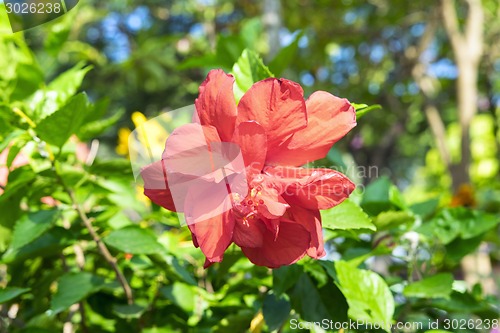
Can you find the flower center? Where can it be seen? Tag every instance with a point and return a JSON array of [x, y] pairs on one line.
[[246, 209]]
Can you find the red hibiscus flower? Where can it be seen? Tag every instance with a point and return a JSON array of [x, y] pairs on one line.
[[236, 174]]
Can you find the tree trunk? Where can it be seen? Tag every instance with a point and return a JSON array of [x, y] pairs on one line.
[[467, 49], [272, 23]]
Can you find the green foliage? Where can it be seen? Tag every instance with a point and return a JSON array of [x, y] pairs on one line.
[[247, 70], [370, 299], [437, 286], [72, 288], [57, 128], [32, 226], [10, 293], [346, 216], [75, 230], [133, 240]]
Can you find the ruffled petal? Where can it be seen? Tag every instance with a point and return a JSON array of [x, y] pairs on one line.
[[249, 233], [311, 221], [188, 151], [278, 106], [251, 138], [329, 119], [272, 205], [213, 236], [312, 188], [291, 245], [156, 185], [216, 105]]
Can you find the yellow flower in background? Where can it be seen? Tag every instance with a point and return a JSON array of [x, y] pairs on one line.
[[148, 139], [149, 134], [122, 147]]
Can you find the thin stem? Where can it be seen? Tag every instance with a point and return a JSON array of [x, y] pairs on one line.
[[102, 247], [95, 236]]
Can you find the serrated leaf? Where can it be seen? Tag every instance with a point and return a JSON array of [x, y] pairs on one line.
[[58, 92], [346, 216], [133, 240], [437, 286], [67, 84], [57, 128], [10, 293], [72, 288], [32, 226], [247, 70], [369, 298]]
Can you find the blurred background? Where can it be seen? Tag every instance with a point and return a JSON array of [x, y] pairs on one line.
[[150, 56], [433, 67]]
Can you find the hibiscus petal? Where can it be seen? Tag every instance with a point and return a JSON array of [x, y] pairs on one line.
[[311, 221], [205, 200], [216, 105], [329, 119], [251, 138], [187, 149], [156, 186], [273, 205], [278, 106], [213, 235], [291, 245], [249, 233], [312, 188]]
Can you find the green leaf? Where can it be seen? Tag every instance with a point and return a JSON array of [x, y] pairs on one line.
[[316, 270], [92, 129], [247, 70], [29, 78], [285, 277], [437, 286], [57, 128], [10, 293], [72, 288], [128, 311], [133, 240], [181, 294], [346, 216], [17, 144], [451, 223], [68, 82], [50, 243], [275, 310], [425, 208], [363, 109], [367, 294], [314, 304], [32, 226], [10, 137], [19, 180], [381, 195], [392, 219], [58, 93]]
